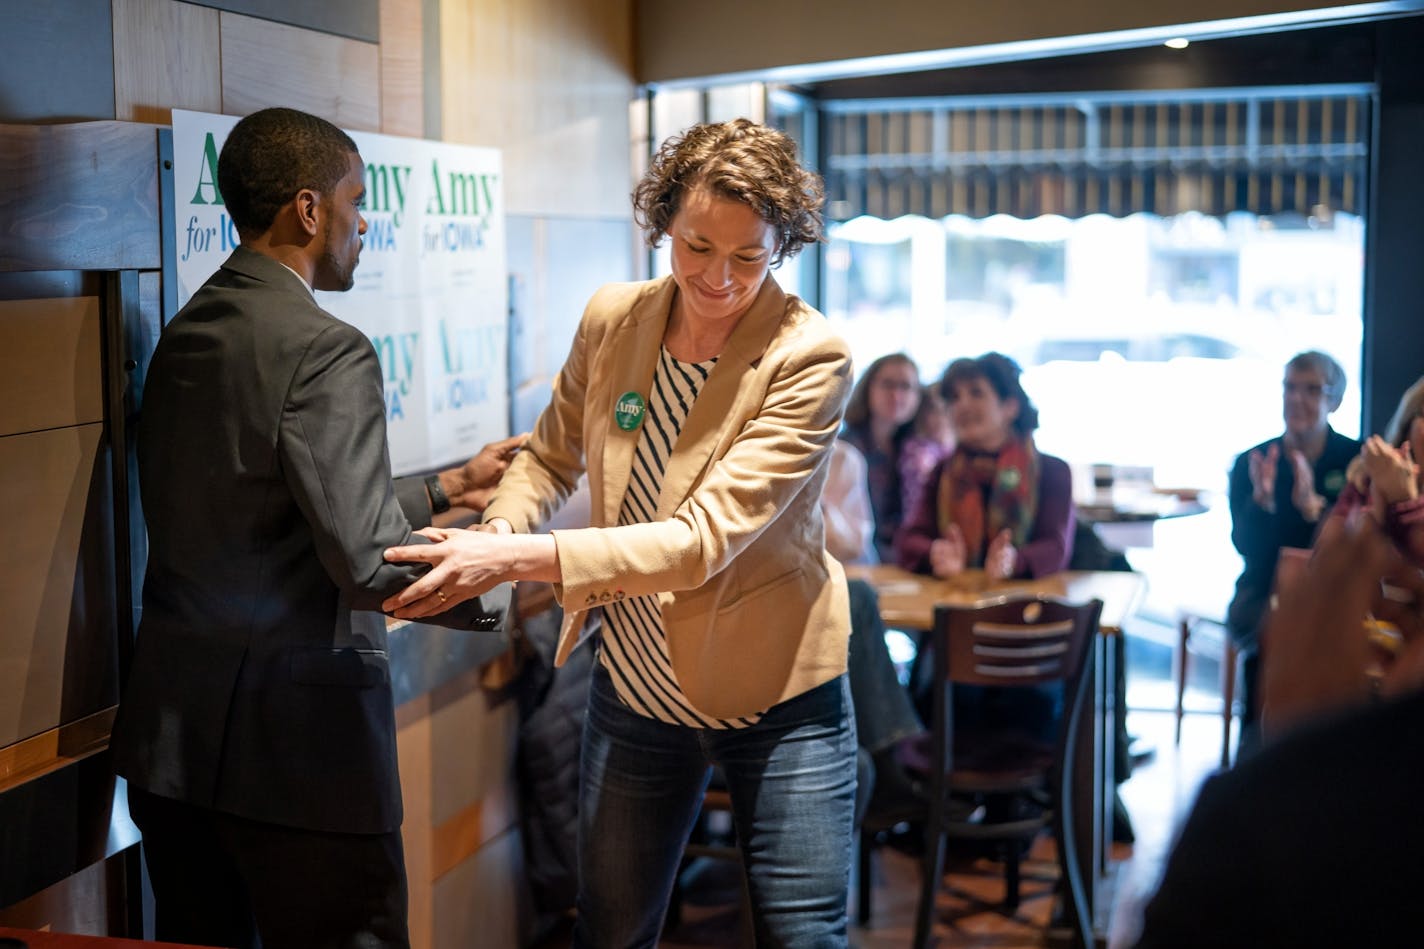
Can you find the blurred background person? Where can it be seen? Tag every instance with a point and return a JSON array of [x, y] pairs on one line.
[[845, 506], [1385, 477], [930, 441], [1324, 814], [1278, 492], [879, 420], [884, 715], [996, 503]]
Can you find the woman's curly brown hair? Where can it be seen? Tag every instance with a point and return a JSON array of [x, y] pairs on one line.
[[740, 160]]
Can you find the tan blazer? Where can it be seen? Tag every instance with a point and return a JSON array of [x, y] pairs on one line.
[[756, 611]]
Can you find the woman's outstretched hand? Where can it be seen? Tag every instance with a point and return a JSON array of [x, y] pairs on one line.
[[463, 564]]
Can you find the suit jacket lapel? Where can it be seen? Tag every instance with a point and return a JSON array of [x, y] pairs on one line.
[[706, 425], [632, 351]]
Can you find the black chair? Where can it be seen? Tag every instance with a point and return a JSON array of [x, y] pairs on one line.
[[1025, 780]]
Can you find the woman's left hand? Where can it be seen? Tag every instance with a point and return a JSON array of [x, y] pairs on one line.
[[1392, 471], [463, 564], [1002, 556]]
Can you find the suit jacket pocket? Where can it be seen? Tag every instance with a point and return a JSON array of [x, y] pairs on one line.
[[348, 668]]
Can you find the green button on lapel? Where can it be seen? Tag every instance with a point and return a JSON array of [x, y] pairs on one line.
[[629, 411]]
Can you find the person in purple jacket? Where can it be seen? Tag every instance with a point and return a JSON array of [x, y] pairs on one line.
[[996, 503]]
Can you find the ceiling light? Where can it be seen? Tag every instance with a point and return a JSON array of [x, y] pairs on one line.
[[1179, 42]]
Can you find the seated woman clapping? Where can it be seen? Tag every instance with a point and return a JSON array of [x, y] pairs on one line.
[[996, 502], [1385, 478]]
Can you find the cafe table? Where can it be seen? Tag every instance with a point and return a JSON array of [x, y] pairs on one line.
[[908, 601]]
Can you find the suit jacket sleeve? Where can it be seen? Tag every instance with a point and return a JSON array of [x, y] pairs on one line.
[[414, 502], [332, 445]]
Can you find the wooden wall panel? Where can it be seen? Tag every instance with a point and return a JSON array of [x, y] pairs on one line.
[[54, 377], [354, 18], [402, 68], [166, 57], [472, 749], [482, 902], [267, 64], [456, 748], [413, 747], [44, 500], [548, 82], [56, 61], [79, 197]]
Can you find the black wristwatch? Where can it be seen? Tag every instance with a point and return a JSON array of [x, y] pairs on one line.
[[439, 503]]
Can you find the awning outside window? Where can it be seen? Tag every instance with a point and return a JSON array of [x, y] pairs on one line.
[[1267, 151]]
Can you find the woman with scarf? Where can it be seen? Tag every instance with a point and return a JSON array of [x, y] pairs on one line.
[[996, 503]]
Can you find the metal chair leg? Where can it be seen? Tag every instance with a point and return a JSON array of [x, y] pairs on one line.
[[1228, 699], [1179, 672]]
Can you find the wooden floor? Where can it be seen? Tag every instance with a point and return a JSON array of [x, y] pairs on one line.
[[1157, 796]]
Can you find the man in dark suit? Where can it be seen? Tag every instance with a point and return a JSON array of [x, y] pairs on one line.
[[257, 730]]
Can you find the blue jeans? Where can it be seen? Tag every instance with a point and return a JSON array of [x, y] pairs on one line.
[[792, 779]]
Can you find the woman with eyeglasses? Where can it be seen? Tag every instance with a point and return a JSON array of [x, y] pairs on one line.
[[880, 422], [1279, 490]]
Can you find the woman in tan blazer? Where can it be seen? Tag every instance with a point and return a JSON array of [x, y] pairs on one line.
[[703, 408]]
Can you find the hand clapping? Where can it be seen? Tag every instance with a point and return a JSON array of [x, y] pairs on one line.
[[948, 554], [1002, 556], [1262, 467]]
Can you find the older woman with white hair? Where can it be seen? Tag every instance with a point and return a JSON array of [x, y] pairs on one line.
[[1279, 491]]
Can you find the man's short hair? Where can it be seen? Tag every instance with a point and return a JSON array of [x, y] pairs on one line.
[[271, 155]]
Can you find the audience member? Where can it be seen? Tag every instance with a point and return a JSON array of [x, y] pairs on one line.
[[845, 506], [1278, 492], [1385, 476], [931, 440], [995, 503], [1314, 841], [879, 419], [884, 715]]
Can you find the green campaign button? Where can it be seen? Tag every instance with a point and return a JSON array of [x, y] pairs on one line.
[[628, 413]]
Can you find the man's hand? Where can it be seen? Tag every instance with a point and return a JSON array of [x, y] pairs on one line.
[[472, 485], [1303, 495], [1262, 467]]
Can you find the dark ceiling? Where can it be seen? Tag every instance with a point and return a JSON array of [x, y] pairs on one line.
[[1341, 54]]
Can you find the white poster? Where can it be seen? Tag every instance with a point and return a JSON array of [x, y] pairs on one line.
[[430, 288]]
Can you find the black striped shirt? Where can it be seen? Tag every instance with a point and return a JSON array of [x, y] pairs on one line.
[[634, 641]]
